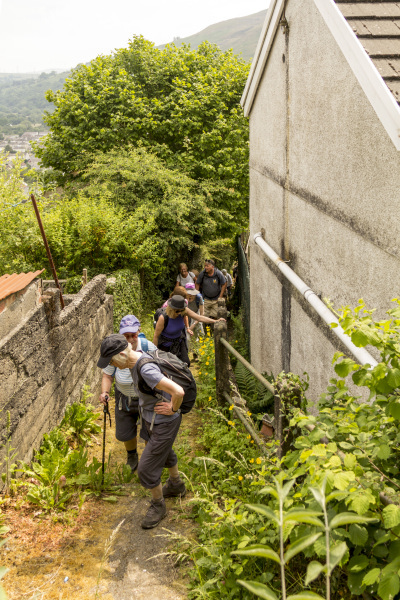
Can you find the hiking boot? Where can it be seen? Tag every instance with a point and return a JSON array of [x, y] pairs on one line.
[[132, 461], [171, 489], [155, 514]]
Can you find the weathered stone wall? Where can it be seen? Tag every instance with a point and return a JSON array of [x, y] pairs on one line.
[[324, 184], [47, 359]]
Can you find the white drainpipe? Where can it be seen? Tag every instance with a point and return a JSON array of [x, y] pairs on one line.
[[363, 356]]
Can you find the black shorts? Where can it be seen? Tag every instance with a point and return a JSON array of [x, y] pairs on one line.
[[126, 417], [158, 453]]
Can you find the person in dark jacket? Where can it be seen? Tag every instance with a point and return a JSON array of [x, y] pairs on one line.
[[212, 284]]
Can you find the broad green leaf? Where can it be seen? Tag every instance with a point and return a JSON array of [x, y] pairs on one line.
[[300, 545], [270, 490], [362, 377], [305, 596], [359, 338], [286, 489], [360, 504], [383, 452], [336, 554], [346, 518], [391, 516], [302, 515], [354, 581], [393, 378], [319, 450], [371, 577], [346, 445], [358, 563], [350, 461], [342, 479], [336, 495], [331, 447], [259, 589], [318, 495], [345, 367], [259, 550], [111, 499], [389, 586], [264, 510], [358, 535], [394, 410], [313, 570]]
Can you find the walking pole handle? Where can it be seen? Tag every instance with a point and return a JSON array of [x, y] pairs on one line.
[[106, 410]]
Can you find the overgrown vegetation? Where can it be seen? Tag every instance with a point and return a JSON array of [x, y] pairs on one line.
[[61, 474], [330, 507]]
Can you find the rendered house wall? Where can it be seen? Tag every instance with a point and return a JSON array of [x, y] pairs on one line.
[[339, 217]]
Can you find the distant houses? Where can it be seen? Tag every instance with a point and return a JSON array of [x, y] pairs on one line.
[[21, 145]]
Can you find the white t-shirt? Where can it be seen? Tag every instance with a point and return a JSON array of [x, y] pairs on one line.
[[184, 280], [123, 377]]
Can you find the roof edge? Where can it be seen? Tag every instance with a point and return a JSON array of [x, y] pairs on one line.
[[265, 41], [368, 76]]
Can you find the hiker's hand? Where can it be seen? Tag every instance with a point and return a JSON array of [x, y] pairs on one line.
[[164, 408], [104, 397], [221, 319], [190, 332]]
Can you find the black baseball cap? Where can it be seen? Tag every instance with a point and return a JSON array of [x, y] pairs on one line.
[[111, 345]]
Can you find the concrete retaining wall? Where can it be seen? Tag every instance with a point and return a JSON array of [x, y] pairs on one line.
[[46, 360]]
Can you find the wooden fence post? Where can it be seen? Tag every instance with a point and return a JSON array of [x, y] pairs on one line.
[[222, 311], [221, 362], [84, 277]]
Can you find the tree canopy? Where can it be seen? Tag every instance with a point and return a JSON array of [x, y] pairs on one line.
[[182, 104]]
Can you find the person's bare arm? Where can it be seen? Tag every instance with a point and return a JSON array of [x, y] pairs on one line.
[[159, 328], [201, 318], [197, 286], [222, 292], [106, 383], [177, 393], [201, 309]]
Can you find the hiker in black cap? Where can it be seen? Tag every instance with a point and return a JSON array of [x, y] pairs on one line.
[[161, 419], [126, 399], [170, 334]]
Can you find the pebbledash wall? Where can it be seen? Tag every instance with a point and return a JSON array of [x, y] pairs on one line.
[[324, 185], [47, 356]]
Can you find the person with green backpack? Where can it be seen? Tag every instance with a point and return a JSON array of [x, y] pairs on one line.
[[126, 398]]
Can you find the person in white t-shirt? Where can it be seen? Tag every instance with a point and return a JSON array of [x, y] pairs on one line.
[[126, 400], [185, 276]]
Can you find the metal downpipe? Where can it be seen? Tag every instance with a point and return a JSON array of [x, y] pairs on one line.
[[363, 356]]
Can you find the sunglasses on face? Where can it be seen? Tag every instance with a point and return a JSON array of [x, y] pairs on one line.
[[178, 310]]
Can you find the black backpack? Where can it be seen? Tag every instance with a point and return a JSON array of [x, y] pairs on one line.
[[157, 314], [176, 370]]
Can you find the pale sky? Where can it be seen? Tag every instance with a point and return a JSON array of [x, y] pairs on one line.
[[37, 35]]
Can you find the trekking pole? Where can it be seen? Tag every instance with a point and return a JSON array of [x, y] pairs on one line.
[[105, 413]]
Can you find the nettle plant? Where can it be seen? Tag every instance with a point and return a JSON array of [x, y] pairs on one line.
[[343, 476]]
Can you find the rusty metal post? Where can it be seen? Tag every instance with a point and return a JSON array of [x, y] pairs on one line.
[[53, 269], [221, 362]]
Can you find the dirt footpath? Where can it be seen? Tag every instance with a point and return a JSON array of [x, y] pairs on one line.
[[56, 561]]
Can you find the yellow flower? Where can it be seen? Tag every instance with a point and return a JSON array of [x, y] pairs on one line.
[[199, 372], [240, 478], [235, 341], [209, 398], [252, 460], [215, 379], [258, 461], [252, 441], [231, 423], [248, 437], [249, 413], [206, 373], [231, 408], [207, 363]]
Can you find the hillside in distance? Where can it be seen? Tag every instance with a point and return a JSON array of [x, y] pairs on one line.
[[22, 100], [240, 34]]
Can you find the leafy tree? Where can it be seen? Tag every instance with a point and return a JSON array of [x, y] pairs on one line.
[[182, 104]]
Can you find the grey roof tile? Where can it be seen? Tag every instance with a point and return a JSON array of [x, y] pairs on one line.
[[377, 25]]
